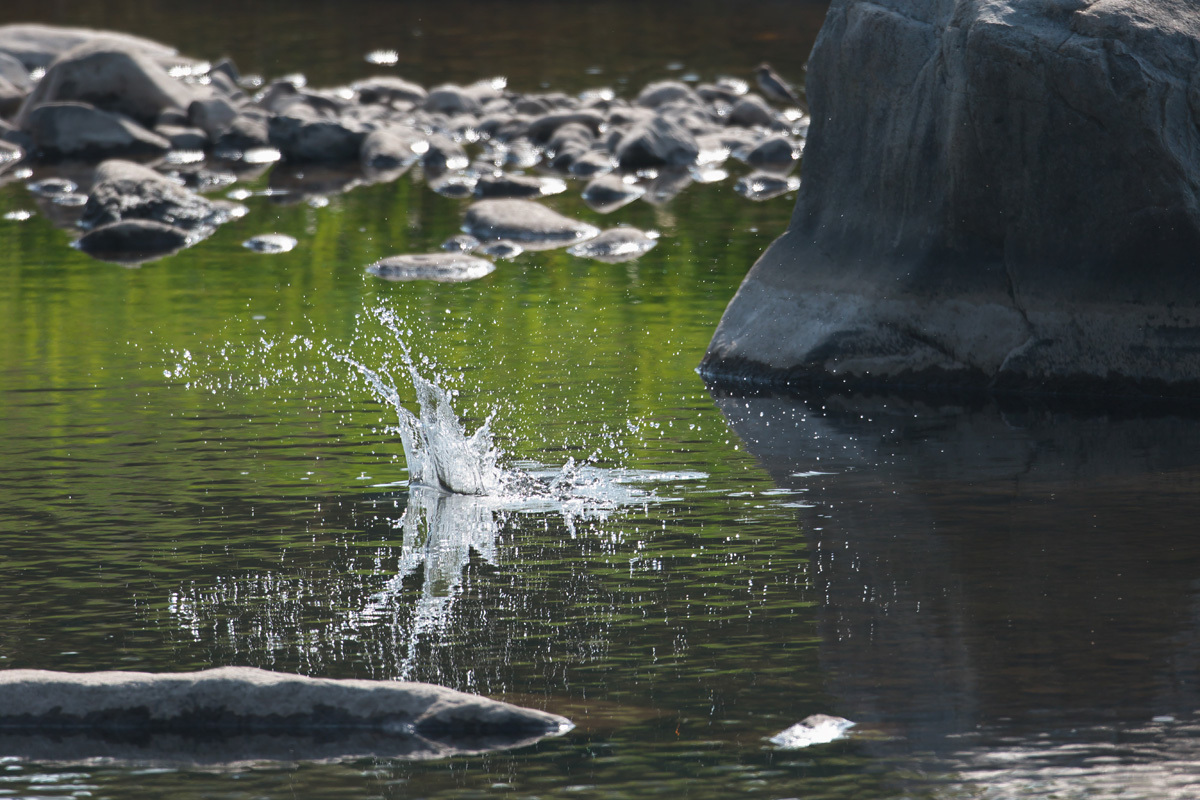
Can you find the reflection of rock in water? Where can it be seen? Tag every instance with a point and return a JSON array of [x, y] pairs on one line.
[[1030, 572]]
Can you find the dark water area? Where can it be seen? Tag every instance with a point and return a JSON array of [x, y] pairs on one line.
[[1005, 600]]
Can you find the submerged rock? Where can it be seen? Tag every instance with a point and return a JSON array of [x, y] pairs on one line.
[[615, 245], [530, 224], [447, 267], [240, 713], [814, 729]]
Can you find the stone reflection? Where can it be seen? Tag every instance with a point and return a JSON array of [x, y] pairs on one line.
[[1001, 581]]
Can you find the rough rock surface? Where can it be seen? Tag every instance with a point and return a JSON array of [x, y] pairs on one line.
[[124, 190], [240, 702], [1004, 197]]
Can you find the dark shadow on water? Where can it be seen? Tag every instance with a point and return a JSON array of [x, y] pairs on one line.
[[1023, 580]]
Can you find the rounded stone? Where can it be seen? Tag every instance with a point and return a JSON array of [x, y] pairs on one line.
[[530, 224], [447, 267]]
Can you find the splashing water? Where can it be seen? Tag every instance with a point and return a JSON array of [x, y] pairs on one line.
[[439, 453]]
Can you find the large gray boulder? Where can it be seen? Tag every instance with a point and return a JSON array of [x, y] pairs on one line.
[[36, 45], [238, 713], [110, 77], [1005, 196]]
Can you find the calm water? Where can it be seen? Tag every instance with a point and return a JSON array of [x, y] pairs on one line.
[[1005, 599]]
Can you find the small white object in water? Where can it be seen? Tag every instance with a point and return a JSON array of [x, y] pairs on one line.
[[270, 243], [20, 215], [384, 58], [814, 729]]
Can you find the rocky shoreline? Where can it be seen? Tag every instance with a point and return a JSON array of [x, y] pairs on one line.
[[75, 97]]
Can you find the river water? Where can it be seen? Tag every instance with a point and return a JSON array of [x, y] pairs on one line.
[[1004, 597]]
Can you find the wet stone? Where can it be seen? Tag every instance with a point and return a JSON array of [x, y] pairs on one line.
[[530, 224], [615, 245], [457, 185], [506, 185], [607, 193], [460, 243], [764, 186], [270, 243], [441, 267], [502, 249], [774, 154], [48, 187]]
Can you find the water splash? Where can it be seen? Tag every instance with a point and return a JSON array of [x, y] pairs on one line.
[[437, 449]]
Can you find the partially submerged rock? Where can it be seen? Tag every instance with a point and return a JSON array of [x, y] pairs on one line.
[[813, 729], [107, 76], [615, 245], [124, 190], [447, 267], [78, 130], [270, 243], [240, 713], [530, 224], [1001, 199]]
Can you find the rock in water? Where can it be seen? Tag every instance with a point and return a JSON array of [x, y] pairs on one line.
[[270, 243], [442, 267], [1001, 199], [764, 185], [77, 130], [530, 224], [814, 729], [240, 713], [112, 77], [615, 245], [124, 190]]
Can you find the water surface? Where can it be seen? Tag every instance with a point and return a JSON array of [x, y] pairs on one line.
[[1004, 599]]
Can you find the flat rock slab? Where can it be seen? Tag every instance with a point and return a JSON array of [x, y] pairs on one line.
[[449, 267], [530, 224], [236, 713]]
